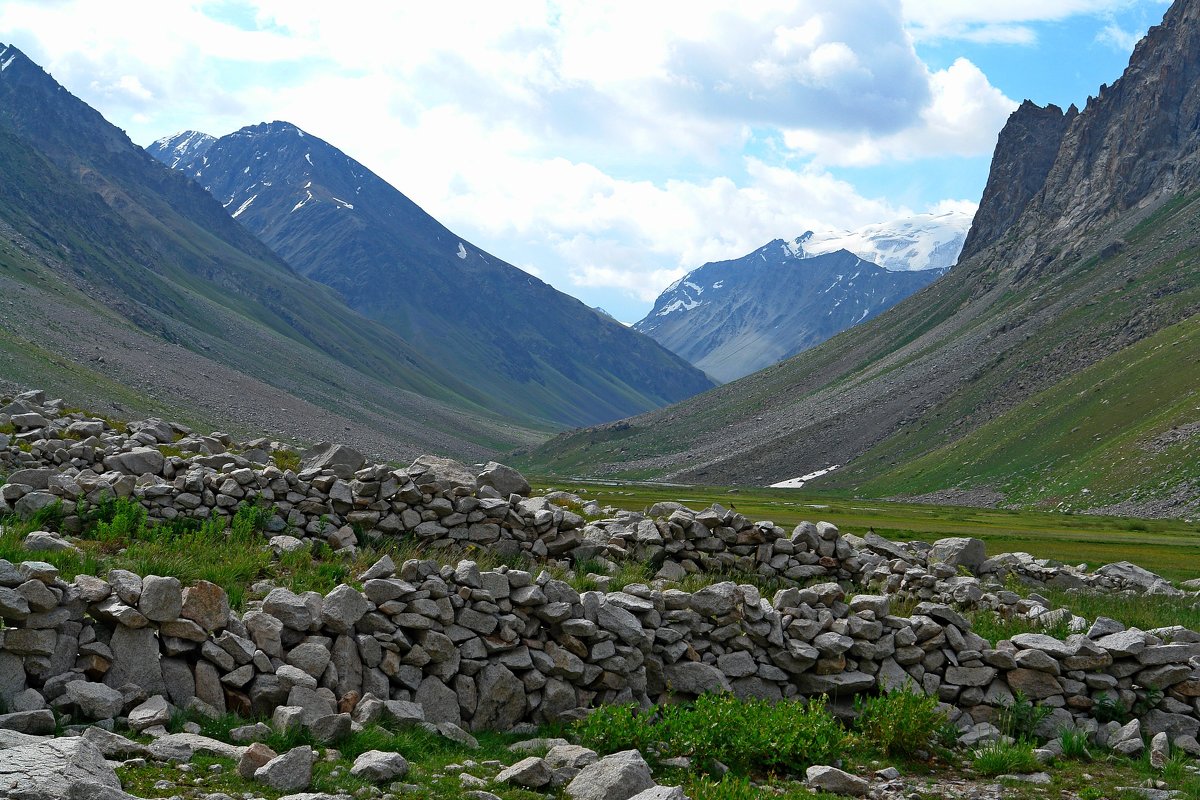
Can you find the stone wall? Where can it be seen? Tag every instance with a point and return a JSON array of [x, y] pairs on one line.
[[493, 649]]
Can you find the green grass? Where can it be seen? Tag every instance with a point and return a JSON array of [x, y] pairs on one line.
[[995, 628], [1136, 611], [1005, 758], [1086, 442], [749, 737], [1168, 547]]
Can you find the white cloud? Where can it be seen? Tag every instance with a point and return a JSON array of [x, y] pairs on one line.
[[1003, 23], [962, 119], [620, 143], [1118, 38]]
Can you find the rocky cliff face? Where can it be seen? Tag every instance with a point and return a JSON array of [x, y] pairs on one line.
[[1136, 143], [1025, 152]]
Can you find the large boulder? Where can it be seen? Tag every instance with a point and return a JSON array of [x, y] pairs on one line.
[[959, 551], [290, 772], [1134, 577], [343, 461], [616, 777], [503, 479], [138, 461], [444, 472], [57, 768]]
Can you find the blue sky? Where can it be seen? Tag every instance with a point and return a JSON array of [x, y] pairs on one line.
[[606, 147]]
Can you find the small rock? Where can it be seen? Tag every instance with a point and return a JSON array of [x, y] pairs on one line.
[[835, 781]]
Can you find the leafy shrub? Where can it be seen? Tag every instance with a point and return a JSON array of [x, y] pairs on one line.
[[899, 722], [1020, 718], [286, 459], [1002, 758], [749, 737]]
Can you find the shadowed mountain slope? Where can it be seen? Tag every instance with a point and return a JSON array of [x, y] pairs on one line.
[[531, 349], [126, 285]]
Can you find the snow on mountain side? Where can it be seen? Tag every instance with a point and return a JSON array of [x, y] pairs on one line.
[[922, 241], [731, 318], [181, 148]]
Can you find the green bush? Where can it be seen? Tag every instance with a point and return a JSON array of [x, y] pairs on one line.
[[899, 722], [1020, 718], [750, 737], [1000, 757]]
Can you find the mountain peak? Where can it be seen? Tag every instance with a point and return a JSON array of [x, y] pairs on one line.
[[181, 148]]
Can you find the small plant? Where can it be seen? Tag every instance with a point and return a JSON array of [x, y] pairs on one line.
[[286, 459], [1107, 708], [1074, 744], [1147, 700], [1020, 718], [900, 722], [1000, 757]]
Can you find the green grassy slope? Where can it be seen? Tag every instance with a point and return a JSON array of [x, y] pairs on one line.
[[1126, 428]]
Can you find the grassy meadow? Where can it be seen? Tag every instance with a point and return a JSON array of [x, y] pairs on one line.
[[1168, 547]]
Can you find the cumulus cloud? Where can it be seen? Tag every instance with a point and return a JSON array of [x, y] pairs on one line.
[[622, 144]]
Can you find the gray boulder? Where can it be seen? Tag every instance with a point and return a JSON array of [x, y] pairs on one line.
[[835, 781], [343, 461], [503, 479], [959, 551], [290, 772], [58, 768], [616, 777], [532, 773], [95, 700], [379, 767]]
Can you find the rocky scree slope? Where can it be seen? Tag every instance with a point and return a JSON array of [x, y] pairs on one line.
[[731, 318], [124, 285], [1099, 258], [533, 350], [451, 647]]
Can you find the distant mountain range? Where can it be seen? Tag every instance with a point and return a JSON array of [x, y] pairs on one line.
[[533, 351], [731, 318], [1054, 366]]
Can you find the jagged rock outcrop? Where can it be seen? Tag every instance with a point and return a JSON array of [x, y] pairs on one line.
[[1025, 151]]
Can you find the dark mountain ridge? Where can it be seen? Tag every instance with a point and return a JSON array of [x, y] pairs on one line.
[[136, 287], [532, 349]]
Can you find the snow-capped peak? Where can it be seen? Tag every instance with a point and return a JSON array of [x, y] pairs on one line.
[[922, 241], [182, 147]]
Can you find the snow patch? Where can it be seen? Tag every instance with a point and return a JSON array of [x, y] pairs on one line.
[[245, 205], [685, 303], [718, 284], [343, 203], [308, 158], [462, 251], [922, 241], [693, 287], [798, 483], [8, 63], [245, 170], [300, 205]]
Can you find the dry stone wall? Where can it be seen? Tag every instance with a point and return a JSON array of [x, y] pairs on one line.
[[460, 648]]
